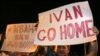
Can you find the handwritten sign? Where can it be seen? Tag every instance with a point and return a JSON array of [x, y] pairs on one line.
[[20, 38], [66, 25]]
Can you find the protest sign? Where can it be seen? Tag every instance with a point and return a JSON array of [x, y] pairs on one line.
[[20, 38], [66, 25]]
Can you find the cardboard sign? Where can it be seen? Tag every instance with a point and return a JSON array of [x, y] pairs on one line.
[[66, 25], [20, 38]]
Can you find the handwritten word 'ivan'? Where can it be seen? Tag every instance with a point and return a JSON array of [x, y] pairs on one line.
[[67, 15], [24, 28]]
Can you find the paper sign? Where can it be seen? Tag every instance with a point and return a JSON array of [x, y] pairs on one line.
[[20, 38], [66, 25]]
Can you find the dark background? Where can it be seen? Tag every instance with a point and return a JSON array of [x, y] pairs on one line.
[[17, 11]]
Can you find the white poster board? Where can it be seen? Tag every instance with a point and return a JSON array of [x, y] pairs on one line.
[[20, 38], [66, 25]]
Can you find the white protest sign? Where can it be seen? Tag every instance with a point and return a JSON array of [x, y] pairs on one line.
[[67, 25], [20, 38]]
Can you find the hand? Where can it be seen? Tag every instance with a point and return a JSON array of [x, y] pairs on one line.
[[95, 30]]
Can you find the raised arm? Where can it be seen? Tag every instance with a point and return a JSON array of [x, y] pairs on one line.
[[93, 46]]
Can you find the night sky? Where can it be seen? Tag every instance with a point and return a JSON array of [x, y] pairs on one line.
[[27, 11]]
